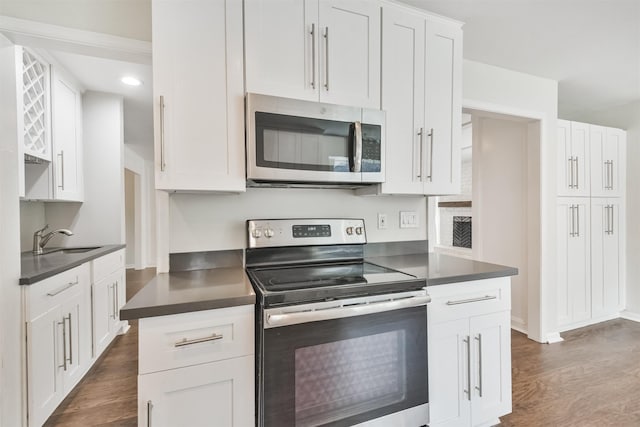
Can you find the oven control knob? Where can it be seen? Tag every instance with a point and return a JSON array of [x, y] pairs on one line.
[[268, 233], [257, 233], [349, 231], [359, 230]]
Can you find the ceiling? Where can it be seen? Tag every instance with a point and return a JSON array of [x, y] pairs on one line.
[[103, 75], [591, 47]]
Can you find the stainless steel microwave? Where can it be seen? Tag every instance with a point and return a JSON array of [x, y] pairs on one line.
[[303, 143]]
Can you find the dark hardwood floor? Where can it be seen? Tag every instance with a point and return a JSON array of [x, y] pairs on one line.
[[590, 379], [107, 395]]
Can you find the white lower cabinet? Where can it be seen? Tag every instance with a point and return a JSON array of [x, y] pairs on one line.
[[469, 353], [108, 291], [197, 369], [58, 336], [216, 393]]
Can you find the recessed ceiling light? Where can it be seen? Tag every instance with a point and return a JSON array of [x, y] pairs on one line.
[[131, 81]]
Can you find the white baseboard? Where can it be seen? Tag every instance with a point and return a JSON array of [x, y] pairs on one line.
[[519, 325], [589, 322], [554, 337], [630, 315]]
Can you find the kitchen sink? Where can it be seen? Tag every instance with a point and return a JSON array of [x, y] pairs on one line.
[[78, 250]]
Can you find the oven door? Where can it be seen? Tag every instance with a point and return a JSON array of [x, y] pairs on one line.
[[299, 141], [342, 371]]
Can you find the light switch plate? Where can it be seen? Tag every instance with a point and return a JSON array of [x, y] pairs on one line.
[[408, 219], [382, 221]]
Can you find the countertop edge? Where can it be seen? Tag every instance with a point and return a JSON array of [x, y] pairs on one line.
[[185, 307], [89, 256], [508, 271]]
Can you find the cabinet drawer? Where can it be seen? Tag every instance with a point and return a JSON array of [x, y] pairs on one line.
[[175, 341], [107, 264], [461, 300], [55, 290]]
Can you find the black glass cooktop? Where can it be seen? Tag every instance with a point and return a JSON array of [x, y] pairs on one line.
[[307, 283]]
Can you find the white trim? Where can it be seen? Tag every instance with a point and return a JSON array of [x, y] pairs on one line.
[[519, 325], [630, 315], [588, 322], [490, 107], [553, 337], [49, 36]]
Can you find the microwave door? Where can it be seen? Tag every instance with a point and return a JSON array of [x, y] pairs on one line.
[[373, 146]]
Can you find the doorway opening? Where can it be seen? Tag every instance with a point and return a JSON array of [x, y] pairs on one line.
[[133, 219]]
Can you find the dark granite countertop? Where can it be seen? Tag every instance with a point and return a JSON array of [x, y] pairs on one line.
[[440, 269], [186, 291], [35, 268]]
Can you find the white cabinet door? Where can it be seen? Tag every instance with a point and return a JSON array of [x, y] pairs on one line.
[[75, 324], [574, 281], [198, 95], [606, 241], [490, 336], [443, 101], [67, 139], [108, 298], [281, 48], [44, 356], [350, 52], [403, 39], [573, 159], [607, 161], [449, 373], [218, 393]]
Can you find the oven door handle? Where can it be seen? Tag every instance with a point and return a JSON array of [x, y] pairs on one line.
[[286, 319]]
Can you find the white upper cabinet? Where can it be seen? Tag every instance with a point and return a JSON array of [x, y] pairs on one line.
[[607, 161], [33, 80], [421, 93], [67, 139], [198, 95], [573, 158], [443, 102], [317, 50]]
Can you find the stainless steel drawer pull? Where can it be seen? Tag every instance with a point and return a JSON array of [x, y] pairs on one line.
[[64, 343], [149, 409], [163, 163], [62, 289], [185, 341], [313, 56], [421, 135], [467, 341], [466, 301], [479, 386]]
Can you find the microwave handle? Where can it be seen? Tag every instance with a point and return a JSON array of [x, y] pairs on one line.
[[357, 147]]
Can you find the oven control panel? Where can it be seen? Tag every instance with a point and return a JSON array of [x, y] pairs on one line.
[[303, 232]]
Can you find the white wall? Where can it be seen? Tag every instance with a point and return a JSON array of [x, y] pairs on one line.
[[129, 216], [11, 343], [124, 18], [628, 117], [141, 163], [495, 89], [212, 222], [32, 218], [500, 197], [100, 218]]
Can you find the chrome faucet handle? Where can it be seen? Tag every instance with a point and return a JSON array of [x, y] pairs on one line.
[[42, 230]]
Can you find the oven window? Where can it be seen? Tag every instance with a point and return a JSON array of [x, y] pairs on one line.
[[341, 379]]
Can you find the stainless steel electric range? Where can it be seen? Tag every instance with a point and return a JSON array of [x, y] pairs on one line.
[[339, 341]]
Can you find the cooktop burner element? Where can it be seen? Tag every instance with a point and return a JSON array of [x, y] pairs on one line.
[[296, 261]]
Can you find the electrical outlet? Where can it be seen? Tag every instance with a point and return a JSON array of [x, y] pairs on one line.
[[382, 221], [408, 219]]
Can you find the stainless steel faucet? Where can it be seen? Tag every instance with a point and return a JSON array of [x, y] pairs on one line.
[[40, 239]]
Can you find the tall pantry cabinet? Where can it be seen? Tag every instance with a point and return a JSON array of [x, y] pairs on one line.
[[590, 220]]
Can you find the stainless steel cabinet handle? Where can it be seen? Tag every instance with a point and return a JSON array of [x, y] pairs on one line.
[[116, 292], [61, 155], [149, 409], [479, 386], [213, 337], [163, 163], [421, 135], [611, 172], [113, 300], [64, 343], [611, 218], [570, 172], [606, 174], [467, 341], [357, 154], [470, 300], [313, 56], [577, 177], [577, 220], [430, 176], [64, 288], [70, 340], [326, 59], [572, 228]]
